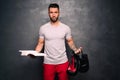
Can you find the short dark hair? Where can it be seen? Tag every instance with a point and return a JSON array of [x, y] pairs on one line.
[[53, 5]]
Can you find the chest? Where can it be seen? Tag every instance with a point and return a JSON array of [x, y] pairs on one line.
[[54, 33]]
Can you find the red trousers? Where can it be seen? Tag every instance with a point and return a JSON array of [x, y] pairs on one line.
[[51, 70]]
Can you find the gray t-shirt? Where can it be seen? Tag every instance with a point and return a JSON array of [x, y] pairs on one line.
[[54, 37]]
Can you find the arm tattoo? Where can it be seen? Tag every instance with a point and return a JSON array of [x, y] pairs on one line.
[[72, 46]]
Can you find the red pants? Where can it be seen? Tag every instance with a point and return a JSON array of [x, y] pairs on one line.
[[51, 70]]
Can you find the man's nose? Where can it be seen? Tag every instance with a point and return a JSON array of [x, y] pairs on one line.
[[53, 14]]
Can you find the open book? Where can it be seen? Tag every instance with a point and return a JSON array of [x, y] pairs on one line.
[[32, 52]]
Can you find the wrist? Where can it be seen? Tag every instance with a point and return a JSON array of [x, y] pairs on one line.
[[75, 49]]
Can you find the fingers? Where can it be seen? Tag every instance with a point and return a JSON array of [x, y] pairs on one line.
[[81, 47], [32, 56], [79, 50]]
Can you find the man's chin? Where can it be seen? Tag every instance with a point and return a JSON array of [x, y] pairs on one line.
[[54, 21]]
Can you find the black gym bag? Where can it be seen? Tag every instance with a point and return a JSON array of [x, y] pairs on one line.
[[83, 62], [79, 62], [73, 66]]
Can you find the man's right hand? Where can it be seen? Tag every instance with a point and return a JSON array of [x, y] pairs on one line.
[[32, 56]]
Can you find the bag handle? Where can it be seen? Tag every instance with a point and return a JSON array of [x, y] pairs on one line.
[[81, 53]]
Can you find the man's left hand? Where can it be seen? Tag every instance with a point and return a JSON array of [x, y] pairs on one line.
[[78, 51]]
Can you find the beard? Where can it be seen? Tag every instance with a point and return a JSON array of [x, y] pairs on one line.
[[54, 19]]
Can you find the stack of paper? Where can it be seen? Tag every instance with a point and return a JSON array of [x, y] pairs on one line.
[[27, 52]]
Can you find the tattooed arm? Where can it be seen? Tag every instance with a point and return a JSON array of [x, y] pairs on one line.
[[72, 46], [39, 45]]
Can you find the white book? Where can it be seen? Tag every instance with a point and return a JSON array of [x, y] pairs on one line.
[[33, 52]]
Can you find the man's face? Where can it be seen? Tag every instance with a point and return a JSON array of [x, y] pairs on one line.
[[53, 14]]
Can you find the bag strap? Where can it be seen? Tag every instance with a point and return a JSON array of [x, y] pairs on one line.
[[81, 53]]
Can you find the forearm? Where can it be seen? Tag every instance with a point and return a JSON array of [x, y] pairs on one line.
[[72, 45], [39, 47]]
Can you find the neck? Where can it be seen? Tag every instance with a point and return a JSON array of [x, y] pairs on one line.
[[55, 23]]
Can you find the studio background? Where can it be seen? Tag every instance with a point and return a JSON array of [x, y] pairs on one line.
[[95, 26]]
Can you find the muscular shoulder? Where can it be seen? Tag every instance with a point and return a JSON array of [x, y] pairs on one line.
[[66, 27], [44, 25]]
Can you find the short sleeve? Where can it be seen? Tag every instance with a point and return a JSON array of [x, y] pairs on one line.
[[68, 33], [41, 33]]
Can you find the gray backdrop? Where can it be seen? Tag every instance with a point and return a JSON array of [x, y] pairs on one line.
[[95, 27]]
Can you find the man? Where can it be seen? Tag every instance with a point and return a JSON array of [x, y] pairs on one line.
[[53, 35]]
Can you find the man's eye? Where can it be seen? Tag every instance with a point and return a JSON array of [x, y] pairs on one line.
[[53, 12]]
